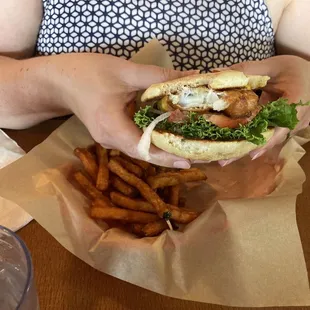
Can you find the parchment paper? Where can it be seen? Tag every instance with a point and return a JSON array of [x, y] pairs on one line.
[[11, 215], [244, 250]]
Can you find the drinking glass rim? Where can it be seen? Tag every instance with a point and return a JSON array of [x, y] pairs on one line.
[[28, 260]]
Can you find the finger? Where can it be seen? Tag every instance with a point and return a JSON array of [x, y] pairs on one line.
[[267, 97], [279, 136], [263, 67], [201, 161], [226, 162], [142, 76], [304, 116], [127, 137], [162, 158]]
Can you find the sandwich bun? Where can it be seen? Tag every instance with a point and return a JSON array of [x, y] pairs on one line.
[[227, 79], [208, 150]]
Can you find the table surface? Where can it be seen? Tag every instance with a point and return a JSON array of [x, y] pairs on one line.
[[65, 282]]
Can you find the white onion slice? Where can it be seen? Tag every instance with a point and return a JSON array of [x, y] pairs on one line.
[[145, 141], [169, 224]]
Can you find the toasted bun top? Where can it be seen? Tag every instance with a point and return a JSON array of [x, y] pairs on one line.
[[217, 81]]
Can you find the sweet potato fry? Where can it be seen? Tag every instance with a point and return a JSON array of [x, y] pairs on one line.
[[87, 185], [155, 228], [146, 192], [174, 178], [164, 193], [123, 187], [143, 164], [137, 229], [92, 149], [102, 182], [182, 202], [115, 153], [151, 171], [88, 162], [103, 202], [132, 204], [131, 167], [174, 193], [102, 154], [123, 215], [183, 216]]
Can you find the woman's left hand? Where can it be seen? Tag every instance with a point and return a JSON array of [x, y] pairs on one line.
[[290, 79]]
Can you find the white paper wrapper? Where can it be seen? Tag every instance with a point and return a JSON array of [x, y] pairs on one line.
[[244, 250], [11, 215]]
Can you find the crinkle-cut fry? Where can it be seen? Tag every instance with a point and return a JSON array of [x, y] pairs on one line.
[[87, 185], [132, 204], [123, 215], [102, 182], [174, 195], [155, 228], [146, 192], [174, 178], [123, 187], [88, 162], [115, 153], [131, 167]]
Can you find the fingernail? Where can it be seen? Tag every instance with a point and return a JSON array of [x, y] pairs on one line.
[[258, 154], [224, 163], [181, 165]]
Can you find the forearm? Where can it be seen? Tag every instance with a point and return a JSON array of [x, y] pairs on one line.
[[29, 93]]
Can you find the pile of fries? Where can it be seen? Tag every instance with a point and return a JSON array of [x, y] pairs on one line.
[[135, 193]]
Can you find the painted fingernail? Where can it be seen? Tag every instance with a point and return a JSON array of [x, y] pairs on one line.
[[258, 154], [181, 165]]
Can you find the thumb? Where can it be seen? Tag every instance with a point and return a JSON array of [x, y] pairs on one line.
[[145, 75], [126, 138], [259, 67]]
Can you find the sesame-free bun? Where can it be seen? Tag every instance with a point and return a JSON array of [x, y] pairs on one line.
[[204, 149], [218, 80]]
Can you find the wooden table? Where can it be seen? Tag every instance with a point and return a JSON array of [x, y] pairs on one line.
[[65, 282]]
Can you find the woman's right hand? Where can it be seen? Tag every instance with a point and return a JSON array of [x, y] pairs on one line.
[[98, 89]]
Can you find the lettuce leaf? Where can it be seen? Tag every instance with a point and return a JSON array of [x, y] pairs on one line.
[[275, 114]]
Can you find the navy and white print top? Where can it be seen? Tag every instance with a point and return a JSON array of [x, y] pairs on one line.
[[197, 34]]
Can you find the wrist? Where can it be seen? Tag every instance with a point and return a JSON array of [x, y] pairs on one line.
[[40, 73]]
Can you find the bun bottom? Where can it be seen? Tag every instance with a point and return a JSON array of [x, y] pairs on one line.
[[204, 149]]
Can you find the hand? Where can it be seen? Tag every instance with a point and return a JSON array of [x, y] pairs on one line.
[[98, 89], [290, 76]]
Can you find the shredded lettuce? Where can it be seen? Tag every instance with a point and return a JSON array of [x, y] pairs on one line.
[[275, 114]]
